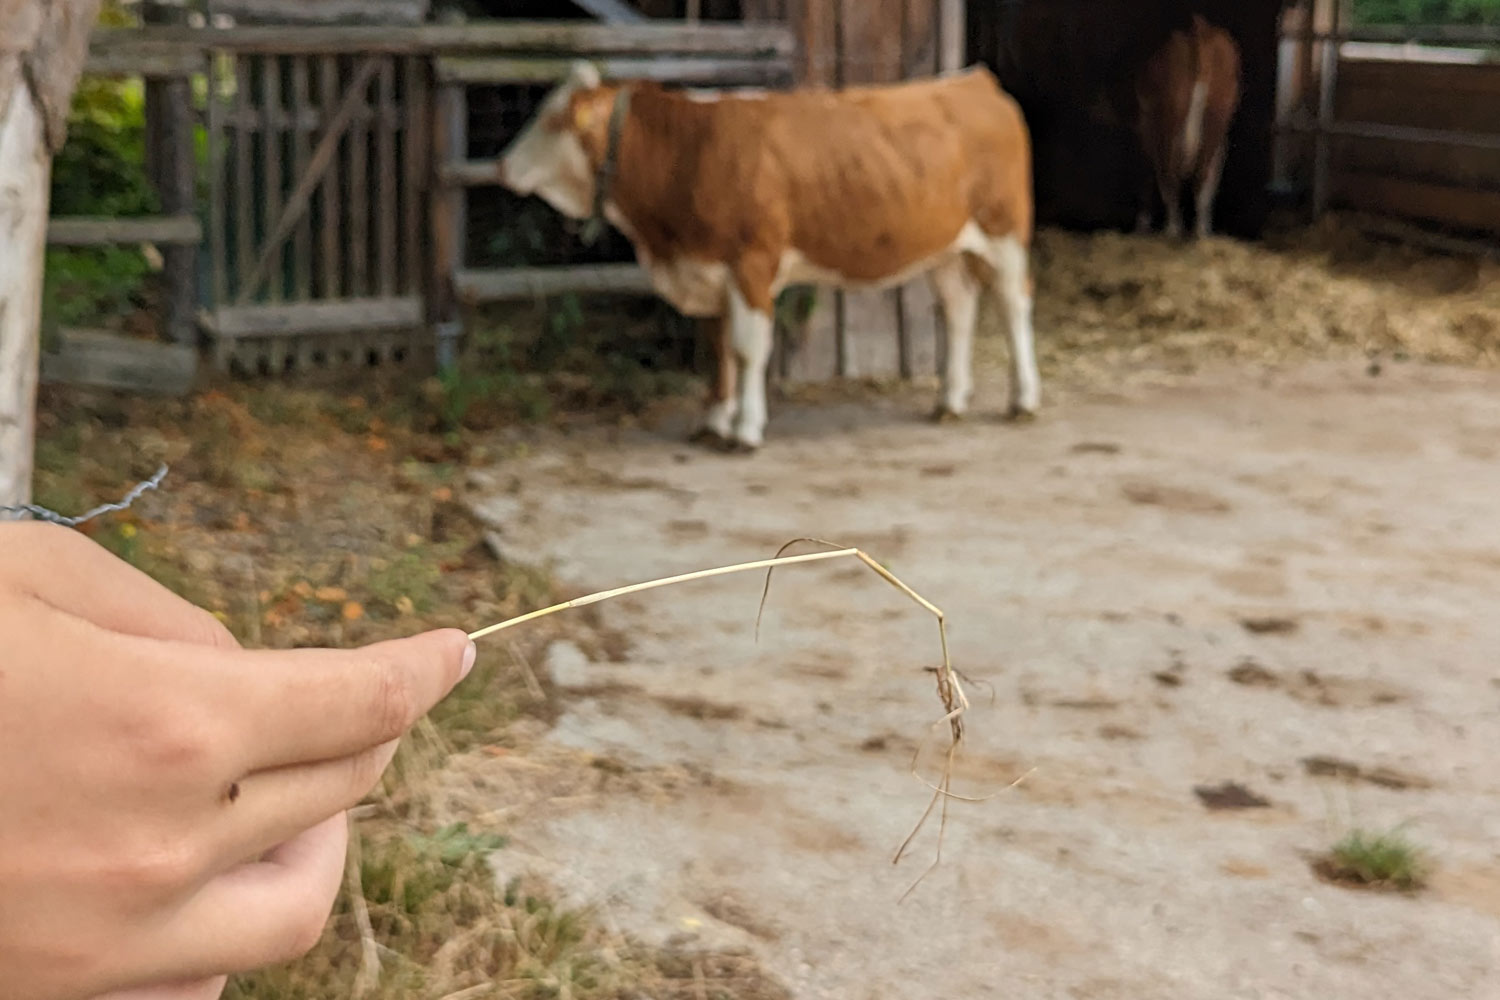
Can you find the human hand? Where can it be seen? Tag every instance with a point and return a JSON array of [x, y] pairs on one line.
[[173, 804]]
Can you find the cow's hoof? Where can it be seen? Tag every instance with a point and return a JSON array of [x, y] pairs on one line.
[[945, 415], [738, 447], [707, 437], [1019, 415]]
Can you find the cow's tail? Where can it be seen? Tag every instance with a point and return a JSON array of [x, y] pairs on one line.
[[1192, 126]]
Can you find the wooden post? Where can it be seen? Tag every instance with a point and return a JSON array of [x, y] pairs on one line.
[[300, 110], [244, 177], [450, 144], [171, 164], [415, 151], [356, 184], [388, 180], [951, 35], [1327, 90], [179, 195], [1288, 52], [330, 225]]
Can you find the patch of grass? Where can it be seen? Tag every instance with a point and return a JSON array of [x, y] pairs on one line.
[[409, 577], [229, 443], [530, 586], [279, 405], [1375, 861], [441, 923]]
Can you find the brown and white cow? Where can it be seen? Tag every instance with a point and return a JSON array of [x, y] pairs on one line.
[[729, 197], [1186, 95]]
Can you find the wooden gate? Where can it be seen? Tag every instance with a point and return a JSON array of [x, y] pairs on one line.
[[318, 174]]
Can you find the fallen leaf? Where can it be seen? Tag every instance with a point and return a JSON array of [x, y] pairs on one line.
[[302, 589], [353, 611], [442, 494], [331, 595], [242, 521], [264, 597], [377, 443], [405, 606]]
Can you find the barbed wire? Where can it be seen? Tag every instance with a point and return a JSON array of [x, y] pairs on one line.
[[45, 514]]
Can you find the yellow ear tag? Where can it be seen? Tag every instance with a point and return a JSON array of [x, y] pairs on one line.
[[582, 116]]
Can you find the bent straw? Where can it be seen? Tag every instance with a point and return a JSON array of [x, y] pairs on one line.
[[636, 588], [950, 691]]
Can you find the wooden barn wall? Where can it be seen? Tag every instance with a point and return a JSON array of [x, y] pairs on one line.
[[1443, 184], [1064, 60]]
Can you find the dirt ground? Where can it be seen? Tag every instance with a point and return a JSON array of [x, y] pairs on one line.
[[1169, 582]]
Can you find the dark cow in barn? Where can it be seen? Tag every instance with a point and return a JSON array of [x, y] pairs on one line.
[[1186, 94], [729, 197]]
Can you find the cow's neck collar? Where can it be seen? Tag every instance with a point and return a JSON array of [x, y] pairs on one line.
[[604, 177]]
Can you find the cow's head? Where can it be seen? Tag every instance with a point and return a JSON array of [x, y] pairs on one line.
[[556, 154]]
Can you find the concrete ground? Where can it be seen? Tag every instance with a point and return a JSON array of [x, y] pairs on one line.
[[1168, 586]]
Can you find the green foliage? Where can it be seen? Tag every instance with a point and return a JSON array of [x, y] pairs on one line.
[[1376, 860], [82, 287], [412, 575], [441, 922], [1427, 12], [99, 171], [454, 844], [795, 305], [409, 874], [524, 238]]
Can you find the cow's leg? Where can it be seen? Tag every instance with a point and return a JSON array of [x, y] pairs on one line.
[[718, 421], [1208, 191], [1143, 216], [1146, 186], [750, 333], [1171, 193], [958, 291], [1013, 274]]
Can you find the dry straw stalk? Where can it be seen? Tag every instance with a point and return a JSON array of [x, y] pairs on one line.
[[949, 689]]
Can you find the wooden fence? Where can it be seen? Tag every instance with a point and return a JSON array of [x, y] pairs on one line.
[[1405, 137], [1452, 178], [338, 168]]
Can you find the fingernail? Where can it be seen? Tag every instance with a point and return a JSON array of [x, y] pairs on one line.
[[470, 654]]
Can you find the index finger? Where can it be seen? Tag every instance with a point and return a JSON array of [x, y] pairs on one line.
[[302, 706], [75, 574]]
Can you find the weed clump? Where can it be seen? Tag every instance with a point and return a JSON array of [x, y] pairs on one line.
[[1375, 861]]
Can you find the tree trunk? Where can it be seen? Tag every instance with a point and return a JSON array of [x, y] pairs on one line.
[[43, 45]]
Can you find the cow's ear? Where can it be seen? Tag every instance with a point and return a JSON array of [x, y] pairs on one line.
[[583, 75]]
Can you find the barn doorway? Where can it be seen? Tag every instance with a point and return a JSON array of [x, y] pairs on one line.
[[1061, 59]]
